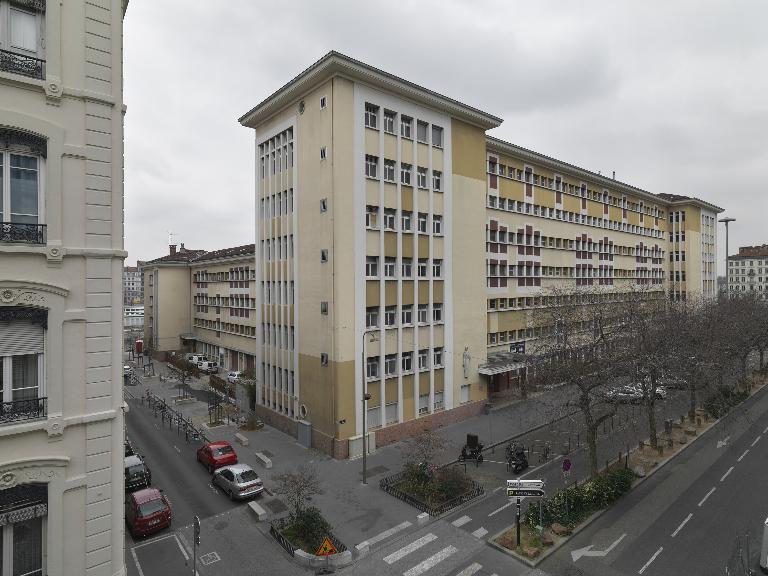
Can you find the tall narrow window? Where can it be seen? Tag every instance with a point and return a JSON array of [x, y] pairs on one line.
[[405, 173], [371, 166], [406, 125], [421, 177], [437, 136], [437, 180], [371, 116], [389, 170], [421, 131], [389, 121]]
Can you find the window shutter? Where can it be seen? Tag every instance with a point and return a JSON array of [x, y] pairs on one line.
[[18, 338]]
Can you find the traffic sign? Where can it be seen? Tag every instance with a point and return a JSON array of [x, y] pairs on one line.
[[326, 548], [516, 483], [522, 492]]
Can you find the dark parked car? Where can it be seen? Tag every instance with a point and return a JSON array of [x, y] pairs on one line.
[[216, 455], [128, 447], [137, 473], [239, 481], [146, 512]]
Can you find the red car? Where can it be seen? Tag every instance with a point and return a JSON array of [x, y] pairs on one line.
[[146, 512], [216, 454]]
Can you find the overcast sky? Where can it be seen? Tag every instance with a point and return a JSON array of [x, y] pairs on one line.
[[670, 95]]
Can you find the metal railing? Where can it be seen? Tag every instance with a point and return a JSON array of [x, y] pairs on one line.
[[390, 486], [23, 233], [21, 410], [22, 64], [275, 529], [173, 418]]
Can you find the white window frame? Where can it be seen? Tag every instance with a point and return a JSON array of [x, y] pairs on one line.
[[371, 166], [390, 316], [406, 362], [406, 127], [422, 314], [371, 116], [372, 266], [419, 125], [421, 177], [390, 365], [6, 533], [7, 368], [323, 102], [5, 190], [323, 153], [406, 315], [405, 173], [405, 220], [423, 360], [421, 267], [390, 121], [372, 217], [372, 367], [437, 357], [406, 268], [437, 268], [390, 219], [390, 264], [437, 225], [422, 222], [372, 317], [389, 170], [437, 313], [437, 180], [440, 133]]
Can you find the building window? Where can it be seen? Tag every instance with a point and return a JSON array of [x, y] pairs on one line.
[[323, 102], [465, 393], [21, 370], [422, 224], [21, 40], [423, 359], [437, 358], [372, 266], [437, 268], [389, 218], [323, 204], [371, 116], [324, 255], [23, 533], [324, 308], [421, 177], [405, 221], [422, 313], [437, 225], [372, 367], [407, 268], [407, 361], [422, 268], [389, 267], [372, 317], [372, 216], [405, 173], [437, 312], [423, 403], [323, 359], [389, 121], [390, 364], [371, 166], [323, 153], [406, 125], [437, 136], [389, 170], [20, 195], [421, 131], [437, 180], [406, 316]]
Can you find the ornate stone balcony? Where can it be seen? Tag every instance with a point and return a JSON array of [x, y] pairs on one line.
[[22, 233]]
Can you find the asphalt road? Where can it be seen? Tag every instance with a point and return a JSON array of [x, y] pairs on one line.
[[686, 518]]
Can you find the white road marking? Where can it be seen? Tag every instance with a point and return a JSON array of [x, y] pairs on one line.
[[461, 521], [499, 488], [383, 535], [507, 505], [651, 560], [431, 561], [177, 449], [136, 561], [742, 456], [766, 430], [471, 569], [756, 440], [726, 474], [707, 496], [681, 525], [480, 532], [412, 547]]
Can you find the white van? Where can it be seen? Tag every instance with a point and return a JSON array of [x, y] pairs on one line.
[[196, 358], [208, 367]]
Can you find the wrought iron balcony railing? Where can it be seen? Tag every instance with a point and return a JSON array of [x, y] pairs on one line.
[[21, 410], [24, 233], [22, 64]]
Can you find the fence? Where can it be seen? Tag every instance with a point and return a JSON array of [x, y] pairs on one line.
[[167, 414], [275, 529], [390, 486]]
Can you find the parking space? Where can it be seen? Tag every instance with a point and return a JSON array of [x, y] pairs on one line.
[[161, 555]]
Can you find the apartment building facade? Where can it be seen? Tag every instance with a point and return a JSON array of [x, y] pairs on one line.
[[61, 260], [406, 251], [133, 285], [198, 301], [748, 271]]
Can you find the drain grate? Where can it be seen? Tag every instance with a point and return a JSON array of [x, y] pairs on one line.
[[275, 506]]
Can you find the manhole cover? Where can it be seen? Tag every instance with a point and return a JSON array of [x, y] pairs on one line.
[[275, 506], [220, 525], [267, 453], [209, 558]]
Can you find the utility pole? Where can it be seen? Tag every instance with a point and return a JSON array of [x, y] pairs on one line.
[[195, 544], [365, 398], [727, 221]]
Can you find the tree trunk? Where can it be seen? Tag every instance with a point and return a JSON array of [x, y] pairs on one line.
[[744, 371], [762, 354], [692, 406], [652, 436], [592, 445]]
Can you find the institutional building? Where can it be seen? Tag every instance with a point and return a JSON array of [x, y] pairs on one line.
[[133, 285], [61, 261], [748, 271], [398, 243], [198, 301]]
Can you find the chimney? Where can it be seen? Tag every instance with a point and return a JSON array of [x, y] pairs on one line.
[[614, 174], [182, 249], [172, 248]]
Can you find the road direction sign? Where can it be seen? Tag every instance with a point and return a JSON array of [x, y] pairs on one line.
[[522, 492], [515, 483]]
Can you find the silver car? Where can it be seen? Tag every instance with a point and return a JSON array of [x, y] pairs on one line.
[[238, 481]]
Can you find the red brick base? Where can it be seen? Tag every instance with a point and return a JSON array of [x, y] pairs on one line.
[[413, 427], [277, 420]]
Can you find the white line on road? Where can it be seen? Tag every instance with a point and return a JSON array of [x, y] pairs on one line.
[[499, 488], [431, 561], [766, 430], [507, 505], [461, 521], [651, 560], [412, 547], [384, 535], [480, 532], [177, 449], [742, 456], [726, 474], [681, 525], [707, 496], [471, 569], [756, 440]]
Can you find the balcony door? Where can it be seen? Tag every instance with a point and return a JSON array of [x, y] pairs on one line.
[[21, 361]]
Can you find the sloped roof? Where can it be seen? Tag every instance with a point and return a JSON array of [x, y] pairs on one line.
[[245, 250]]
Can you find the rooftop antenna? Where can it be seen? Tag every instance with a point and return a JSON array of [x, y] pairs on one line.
[[170, 237]]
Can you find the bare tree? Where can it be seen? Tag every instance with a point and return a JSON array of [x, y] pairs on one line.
[[298, 486], [423, 448]]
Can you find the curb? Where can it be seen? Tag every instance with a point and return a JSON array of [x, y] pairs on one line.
[[534, 563]]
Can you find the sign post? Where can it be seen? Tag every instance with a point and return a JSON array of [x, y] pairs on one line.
[[195, 544], [521, 489], [566, 475]]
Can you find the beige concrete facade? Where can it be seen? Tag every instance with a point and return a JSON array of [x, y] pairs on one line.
[[61, 263], [419, 248]]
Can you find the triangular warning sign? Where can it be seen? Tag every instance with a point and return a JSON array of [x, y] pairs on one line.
[[326, 548]]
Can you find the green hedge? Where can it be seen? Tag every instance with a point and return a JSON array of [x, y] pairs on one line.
[[723, 399], [307, 529], [575, 504], [432, 485]]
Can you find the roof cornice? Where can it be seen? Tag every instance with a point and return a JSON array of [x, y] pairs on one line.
[[336, 64]]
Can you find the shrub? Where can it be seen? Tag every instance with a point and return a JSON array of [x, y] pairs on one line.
[[723, 399], [307, 528]]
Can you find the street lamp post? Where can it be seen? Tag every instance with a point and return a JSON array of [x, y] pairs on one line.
[[727, 221], [365, 399]]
